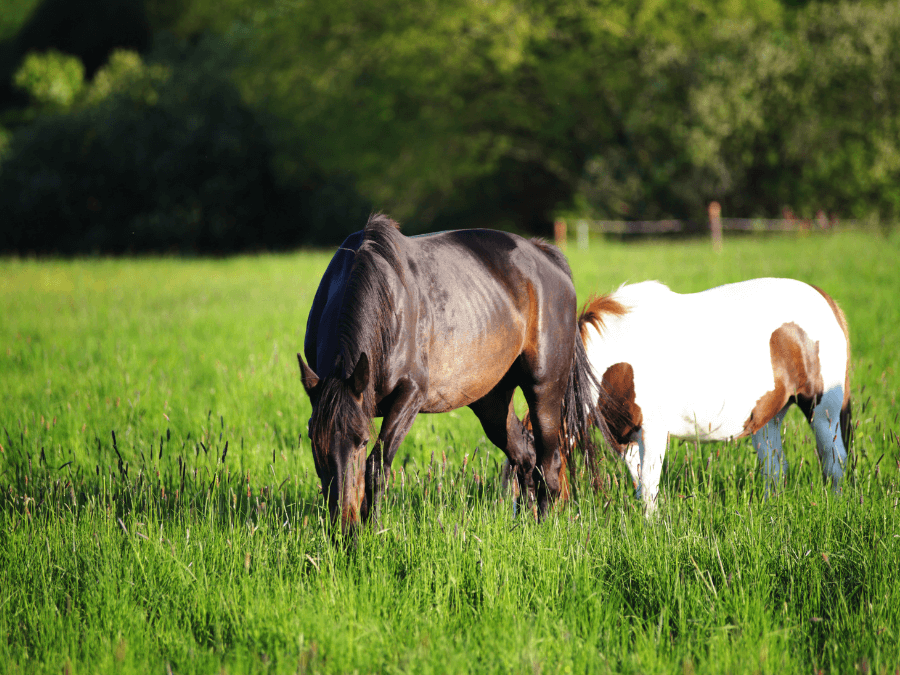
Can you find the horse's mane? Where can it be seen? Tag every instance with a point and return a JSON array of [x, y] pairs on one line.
[[366, 324], [596, 309]]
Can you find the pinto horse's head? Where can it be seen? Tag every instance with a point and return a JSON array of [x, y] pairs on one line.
[[339, 432]]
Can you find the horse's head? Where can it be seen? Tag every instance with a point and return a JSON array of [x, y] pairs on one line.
[[339, 432]]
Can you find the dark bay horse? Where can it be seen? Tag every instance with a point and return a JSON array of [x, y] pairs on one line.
[[428, 324]]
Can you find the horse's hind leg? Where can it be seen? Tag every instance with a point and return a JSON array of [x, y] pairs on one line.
[[769, 451], [545, 410], [825, 421]]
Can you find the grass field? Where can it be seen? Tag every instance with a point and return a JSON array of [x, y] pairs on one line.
[[160, 513]]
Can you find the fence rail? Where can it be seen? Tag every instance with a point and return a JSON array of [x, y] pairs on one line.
[[715, 226]]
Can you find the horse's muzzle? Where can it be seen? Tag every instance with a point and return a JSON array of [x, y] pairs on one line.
[[353, 489]]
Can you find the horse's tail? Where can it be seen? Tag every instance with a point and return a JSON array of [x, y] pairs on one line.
[[582, 413]]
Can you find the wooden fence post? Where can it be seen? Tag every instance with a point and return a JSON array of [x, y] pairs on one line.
[[559, 234], [715, 225]]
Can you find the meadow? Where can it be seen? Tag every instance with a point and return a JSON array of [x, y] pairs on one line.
[[159, 510]]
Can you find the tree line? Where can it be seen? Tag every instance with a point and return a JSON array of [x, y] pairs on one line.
[[194, 125]]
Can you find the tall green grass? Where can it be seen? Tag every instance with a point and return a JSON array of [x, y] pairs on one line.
[[159, 509]]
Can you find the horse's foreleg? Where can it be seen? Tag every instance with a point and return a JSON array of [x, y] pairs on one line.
[[651, 451], [406, 403], [769, 451], [829, 442]]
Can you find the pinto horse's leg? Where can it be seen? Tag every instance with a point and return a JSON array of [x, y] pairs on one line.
[[829, 442], [652, 445], [407, 401], [503, 428], [767, 441], [632, 457]]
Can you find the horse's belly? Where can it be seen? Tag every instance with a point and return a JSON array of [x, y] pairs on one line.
[[710, 425], [712, 404], [446, 399], [455, 381], [472, 347]]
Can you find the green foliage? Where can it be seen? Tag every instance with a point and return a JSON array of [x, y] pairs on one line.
[[159, 156], [13, 16], [51, 78], [491, 106], [805, 118], [385, 91], [166, 550], [195, 18], [457, 113], [852, 86], [127, 75], [88, 29], [5, 138], [513, 111]]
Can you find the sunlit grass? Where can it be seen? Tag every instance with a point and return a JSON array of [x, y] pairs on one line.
[[132, 541]]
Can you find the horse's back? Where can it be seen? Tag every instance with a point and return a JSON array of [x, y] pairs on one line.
[[487, 298], [728, 321], [486, 269], [492, 248], [760, 307], [760, 327], [703, 360]]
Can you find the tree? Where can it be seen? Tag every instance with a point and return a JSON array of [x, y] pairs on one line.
[[471, 109]]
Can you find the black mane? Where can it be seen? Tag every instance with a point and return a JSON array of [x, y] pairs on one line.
[[367, 324]]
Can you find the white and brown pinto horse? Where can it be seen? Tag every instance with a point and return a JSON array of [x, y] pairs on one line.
[[760, 346]]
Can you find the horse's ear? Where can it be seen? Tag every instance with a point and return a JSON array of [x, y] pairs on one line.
[[359, 378], [309, 378]]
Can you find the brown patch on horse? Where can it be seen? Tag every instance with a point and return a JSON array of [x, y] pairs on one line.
[[795, 365], [622, 414], [595, 309]]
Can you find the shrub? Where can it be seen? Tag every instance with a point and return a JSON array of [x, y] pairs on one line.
[[155, 157]]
